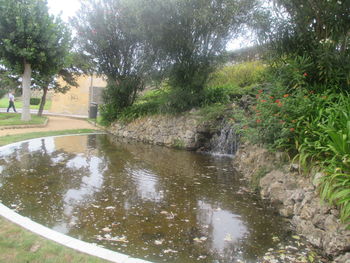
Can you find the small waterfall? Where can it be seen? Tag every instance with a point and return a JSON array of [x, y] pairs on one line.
[[225, 142]]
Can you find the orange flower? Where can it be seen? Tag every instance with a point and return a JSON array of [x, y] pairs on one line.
[[277, 101], [257, 96], [271, 97], [279, 104], [263, 101], [245, 127], [292, 129], [305, 74], [258, 121], [260, 91], [285, 95]]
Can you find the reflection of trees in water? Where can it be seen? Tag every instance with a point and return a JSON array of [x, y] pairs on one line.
[[187, 179], [39, 182], [155, 194]]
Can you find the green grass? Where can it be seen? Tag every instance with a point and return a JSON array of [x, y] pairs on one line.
[[18, 245], [12, 119], [4, 103]]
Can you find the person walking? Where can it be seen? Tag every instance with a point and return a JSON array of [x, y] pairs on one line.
[[11, 102]]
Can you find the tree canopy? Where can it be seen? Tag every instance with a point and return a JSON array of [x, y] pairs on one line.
[[31, 39]]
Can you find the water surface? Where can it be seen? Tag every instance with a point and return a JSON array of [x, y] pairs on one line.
[[149, 202]]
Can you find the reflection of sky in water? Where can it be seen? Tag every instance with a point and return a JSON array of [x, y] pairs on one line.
[[78, 162], [225, 227], [33, 145], [36, 145], [58, 158], [90, 184], [146, 184], [9, 150]]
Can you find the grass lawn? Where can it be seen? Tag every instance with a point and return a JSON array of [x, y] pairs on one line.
[[18, 245], [4, 103], [9, 119]]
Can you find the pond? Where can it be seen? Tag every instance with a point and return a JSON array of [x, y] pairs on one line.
[[150, 202]]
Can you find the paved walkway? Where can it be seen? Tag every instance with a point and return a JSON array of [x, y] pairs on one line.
[[55, 123]]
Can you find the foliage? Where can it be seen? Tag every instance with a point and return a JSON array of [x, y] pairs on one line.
[[189, 37], [315, 127], [31, 39], [109, 36], [34, 101], [316, 37], [8, 82], [243, 75]]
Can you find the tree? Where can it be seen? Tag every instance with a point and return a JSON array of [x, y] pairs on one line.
[[190, 36], [315, 35], [31, 39], [107, 32]]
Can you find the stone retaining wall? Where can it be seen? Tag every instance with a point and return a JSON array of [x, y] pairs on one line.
[[186, 132], [295, 196]]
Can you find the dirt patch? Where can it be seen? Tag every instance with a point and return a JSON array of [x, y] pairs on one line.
[[54, 124]]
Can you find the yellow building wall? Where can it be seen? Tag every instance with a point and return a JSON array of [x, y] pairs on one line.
[[77, 100]]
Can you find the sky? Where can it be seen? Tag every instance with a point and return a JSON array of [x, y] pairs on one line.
[[69, 8]]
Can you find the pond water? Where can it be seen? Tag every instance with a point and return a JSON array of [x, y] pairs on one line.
[[150, 202]]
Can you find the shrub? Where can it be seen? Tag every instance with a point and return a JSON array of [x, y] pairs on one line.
[[34, 101], [315, 127]]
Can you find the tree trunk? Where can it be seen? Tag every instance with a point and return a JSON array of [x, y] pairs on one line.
[[26, 78], [43, 101]]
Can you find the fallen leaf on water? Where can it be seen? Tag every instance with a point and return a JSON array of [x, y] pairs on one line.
[[106, 229], [169, 251], [275, 239], [159, 242], [296, 237], [110, 207], [228, 238]]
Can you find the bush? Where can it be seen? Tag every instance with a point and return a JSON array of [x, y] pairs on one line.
[[35, 101], [314, 127], [117, 96]]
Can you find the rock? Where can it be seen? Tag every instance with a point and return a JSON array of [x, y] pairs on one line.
[[343, 258], [316, 179], [331, 224], [294, 167]]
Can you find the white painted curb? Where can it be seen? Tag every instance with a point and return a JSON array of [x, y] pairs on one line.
[[66, 240]]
